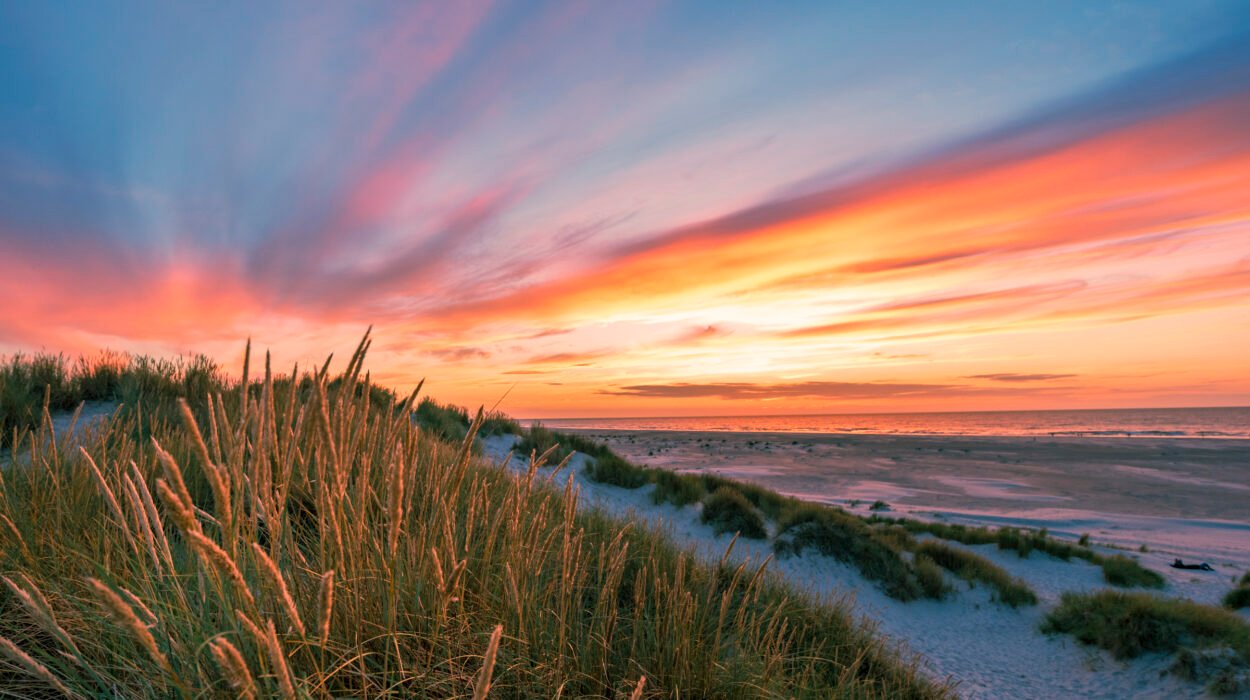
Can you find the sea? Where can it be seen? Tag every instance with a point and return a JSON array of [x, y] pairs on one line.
[[1222, 422]]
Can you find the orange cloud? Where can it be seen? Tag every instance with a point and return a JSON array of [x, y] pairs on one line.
[[1184, 171]]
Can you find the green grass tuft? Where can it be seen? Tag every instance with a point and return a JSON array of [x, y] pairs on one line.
[[1237, 598], [973, 567], [838, 534], [1131, 624], [929, 574], [609, 468], [677, 489], [727, 510], [446, 422], [1119, 570]]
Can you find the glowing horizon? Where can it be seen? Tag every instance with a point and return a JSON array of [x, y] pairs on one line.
[[753, 213]]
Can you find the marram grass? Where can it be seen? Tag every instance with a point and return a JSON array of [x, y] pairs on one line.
[[302, 538]]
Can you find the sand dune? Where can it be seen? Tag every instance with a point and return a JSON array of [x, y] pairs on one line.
[[1069, 485]]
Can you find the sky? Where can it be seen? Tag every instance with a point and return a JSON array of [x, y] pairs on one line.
[[644, 208]]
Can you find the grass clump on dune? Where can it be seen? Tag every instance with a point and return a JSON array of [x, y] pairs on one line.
[[1131, 624], [1239, 597], [294, 538], [610, 468], [447, 422], [677, 489], [929, 575], [1119, 570], [847, 538], [727, 510], [973, 567]]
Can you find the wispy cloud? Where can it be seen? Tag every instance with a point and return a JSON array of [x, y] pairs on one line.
[[1013, 377]]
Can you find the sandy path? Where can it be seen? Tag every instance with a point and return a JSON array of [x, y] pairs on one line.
[[93, 415]]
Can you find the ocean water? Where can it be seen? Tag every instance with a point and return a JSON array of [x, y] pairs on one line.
[[1145, 422]]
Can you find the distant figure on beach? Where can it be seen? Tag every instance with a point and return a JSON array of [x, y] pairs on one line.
[[1178, 564]]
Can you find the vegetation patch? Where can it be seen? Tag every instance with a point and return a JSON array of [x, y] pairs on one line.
[[31, 384], [677, 489], [838, 534], [1239, 597], [1119, 570], [1131, 624], [973, 567], [727, 510], [929, 574], [447, 422], [609, 468]]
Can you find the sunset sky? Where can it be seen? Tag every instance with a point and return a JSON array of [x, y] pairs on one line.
[[638, 208]]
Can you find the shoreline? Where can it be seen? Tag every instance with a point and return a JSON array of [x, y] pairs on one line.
[[1058, 435]]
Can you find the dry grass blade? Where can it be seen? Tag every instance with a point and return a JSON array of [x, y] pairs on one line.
[[234, 668], [277, 657], [637, 694], [325, 596], [271, 572], [126, 617], [106, 491], [221, 561], [481, 685], [34, 668], [33, 600]]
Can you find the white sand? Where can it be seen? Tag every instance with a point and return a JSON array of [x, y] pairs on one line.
[[988, 650]]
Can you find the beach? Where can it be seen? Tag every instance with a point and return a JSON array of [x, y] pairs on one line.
[[1153, 499], [1181, 496]]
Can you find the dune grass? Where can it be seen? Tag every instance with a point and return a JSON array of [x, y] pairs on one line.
[[29, 383], [1131, 624], [727, 510], [835, 533], [1119, 570], [612, 469], [303, 538], [1239, 597], [973, 567]]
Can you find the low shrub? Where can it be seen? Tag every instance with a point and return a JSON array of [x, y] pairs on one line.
[[727, 510], [973, 567], [1119, 570]]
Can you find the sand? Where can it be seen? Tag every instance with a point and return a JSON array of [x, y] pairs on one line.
[[1180, 498]]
